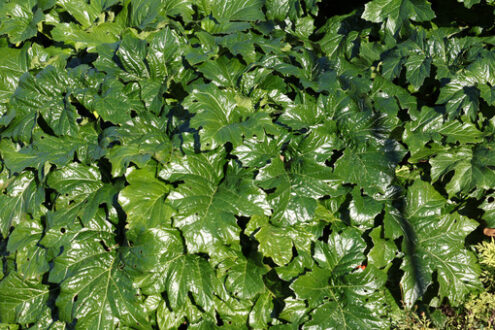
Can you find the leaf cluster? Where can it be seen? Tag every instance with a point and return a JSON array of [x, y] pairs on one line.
[[241, 163]]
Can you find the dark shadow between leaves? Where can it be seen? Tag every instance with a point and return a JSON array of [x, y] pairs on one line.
[[120, 237], [410, 251]]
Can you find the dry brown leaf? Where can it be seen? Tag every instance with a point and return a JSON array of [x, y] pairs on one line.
[[489, 231]]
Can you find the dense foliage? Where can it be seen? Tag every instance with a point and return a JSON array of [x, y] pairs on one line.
[[244, 163]]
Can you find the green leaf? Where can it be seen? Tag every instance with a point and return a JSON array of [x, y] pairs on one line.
[[131, 53], [260, 315], [22, 300], [469, 3], [487, 93], [437, 245], [275, 244], [371, 170], [48, 149], [256, 153], [190, 273], [418, 69], [72, 34], [222, 72], [167, 318], [298, 183], [152, 252], [47, 94], [223, 116], [236, 10], [207, 202], [245, 277], [13, 64], [423, 200], [488, 207], [363, 209], [137, 141], [83, 12], [342, 254], [482, 69], [458, 132], [183, 8], [143, 200], [22, 197], [17, 161], [164, 53], [19, 20], [144, 12], [237, 44], [30, 256], [472, 168], [392, 66], [346, 289], [309, 114], [460, 97], [109, 106], [295, 311], [383, 251], [278, 9], [395, 13], [80, 192], [331, 315], [424, 128], [95, 289], [304, 27], [148, 13]]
